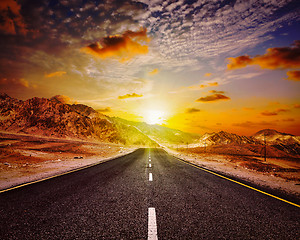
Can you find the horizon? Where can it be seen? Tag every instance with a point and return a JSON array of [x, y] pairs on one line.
[[156, 124], [189, 65]]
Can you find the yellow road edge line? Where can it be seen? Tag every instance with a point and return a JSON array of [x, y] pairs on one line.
[[58, 175], [245, 185]]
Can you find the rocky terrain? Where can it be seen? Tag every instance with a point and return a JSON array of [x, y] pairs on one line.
[[25, 158], [275, 144], [52, 118]]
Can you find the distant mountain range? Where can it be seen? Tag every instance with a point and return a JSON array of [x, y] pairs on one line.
[[277, 144], [53, 118]]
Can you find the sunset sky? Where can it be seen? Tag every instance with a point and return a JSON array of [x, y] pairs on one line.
[[198, 66]]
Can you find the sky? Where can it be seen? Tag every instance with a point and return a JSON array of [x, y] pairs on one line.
[[198, 66]]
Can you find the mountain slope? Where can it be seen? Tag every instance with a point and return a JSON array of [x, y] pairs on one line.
[[275, 137], [49, 117], [225, 138], [161, 134], [277, 144]]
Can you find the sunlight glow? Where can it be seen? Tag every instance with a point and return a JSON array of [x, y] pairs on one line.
[[154, 116]]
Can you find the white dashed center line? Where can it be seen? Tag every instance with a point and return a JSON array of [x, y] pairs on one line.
[[152, 227], [149, 164], [150, 177]]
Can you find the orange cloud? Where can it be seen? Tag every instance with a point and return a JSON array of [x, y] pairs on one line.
[[282, 110], [213, 84], [55, 74], [274, 113], [207, 74], [62, 98], [214, 91], [154, 71], [104, 110], [15, 83], [213, 98], [288, 120], [124, 46], [293, 75], [296, 105], [274, 58], [197, 87], [192, 110], [133, 95], [12, 21], [268, 113], [239, 62], [249, 124]]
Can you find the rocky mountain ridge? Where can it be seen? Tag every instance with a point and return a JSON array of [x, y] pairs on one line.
[[277, 144], [53, 118]]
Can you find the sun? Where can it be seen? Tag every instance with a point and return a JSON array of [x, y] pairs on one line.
[[154, 117]]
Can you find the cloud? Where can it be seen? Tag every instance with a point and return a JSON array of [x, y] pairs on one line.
[[248, 124], [215, 91], [213, 98], [293, 75], [213, 84], [15, 83], [197, 87], [192, 110], [62, 98], [104, 110], [154, 71], [296, 105], [274, 58], [274, 113], [12, 21], [288, 120], [268, 113], [207, 74], [133, 95], [198, 31], [282, 110], [124, 47], [55, 74]]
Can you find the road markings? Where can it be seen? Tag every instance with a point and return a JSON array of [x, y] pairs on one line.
[[245, 185], [149, 164], [152, 226], [150, 177], [149, 160]]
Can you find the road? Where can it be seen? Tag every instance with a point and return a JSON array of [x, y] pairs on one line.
[[118, 199]]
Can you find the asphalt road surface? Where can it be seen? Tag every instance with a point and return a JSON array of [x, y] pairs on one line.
[[126, 198]]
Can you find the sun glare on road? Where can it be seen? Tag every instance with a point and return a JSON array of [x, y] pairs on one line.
[[154, 116]]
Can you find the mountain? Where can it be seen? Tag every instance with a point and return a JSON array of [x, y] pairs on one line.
[[161, 134], [54, 118], [277, 144], [50, 117], [282, 141], [275, 137], [225, 138]]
